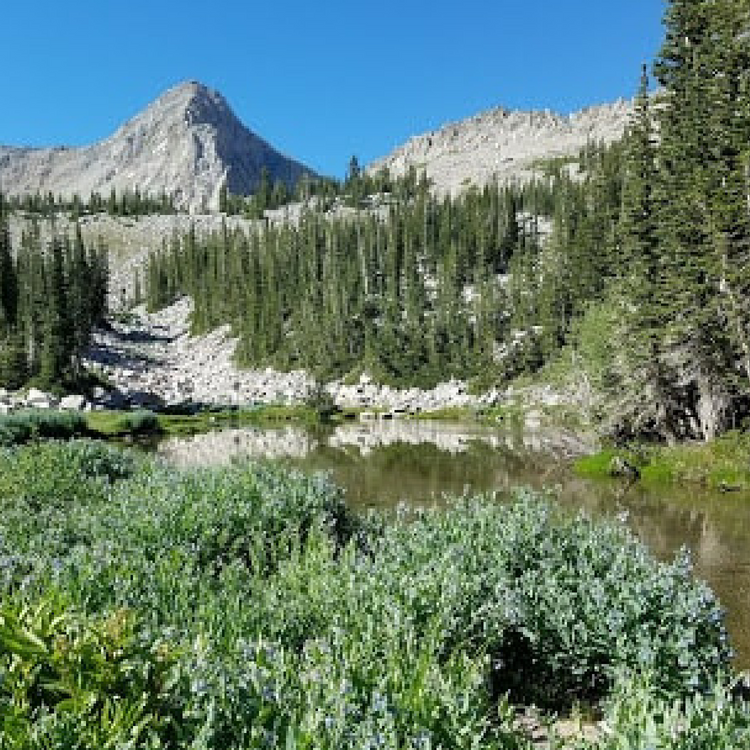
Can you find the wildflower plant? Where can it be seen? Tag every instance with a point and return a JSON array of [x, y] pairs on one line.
[[247, 607]]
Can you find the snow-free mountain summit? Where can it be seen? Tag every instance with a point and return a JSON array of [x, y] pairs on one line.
[[187, 143]]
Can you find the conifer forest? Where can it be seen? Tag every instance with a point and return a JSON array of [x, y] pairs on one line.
[[631, 261], [52, 294]]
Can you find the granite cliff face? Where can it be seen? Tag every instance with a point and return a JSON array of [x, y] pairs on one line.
[[187, 143], [503, 144]]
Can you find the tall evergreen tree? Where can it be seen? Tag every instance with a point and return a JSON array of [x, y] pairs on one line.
[[646, 397], [8, 280], [696, 156]]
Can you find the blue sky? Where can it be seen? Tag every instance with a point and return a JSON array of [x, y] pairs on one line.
[[319, 80]]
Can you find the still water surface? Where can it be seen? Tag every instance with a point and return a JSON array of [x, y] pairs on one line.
[[383, 463]]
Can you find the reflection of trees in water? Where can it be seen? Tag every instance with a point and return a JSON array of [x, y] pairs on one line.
[[417, 472], [387, 461], [375, 435], [450, 437], [715, 527]]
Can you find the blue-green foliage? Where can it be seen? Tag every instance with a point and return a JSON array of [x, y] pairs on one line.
[[139, 422], [639, 715], [283, 621], [563, 600], [22, 426]]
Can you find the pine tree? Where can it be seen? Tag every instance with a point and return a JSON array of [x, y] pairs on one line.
[[729, 188], [695, 158], [646, 398], [8, 278], [58, 345], [13, 365]]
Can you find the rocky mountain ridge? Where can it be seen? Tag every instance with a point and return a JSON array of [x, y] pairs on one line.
[[503, 144], [187, 143]]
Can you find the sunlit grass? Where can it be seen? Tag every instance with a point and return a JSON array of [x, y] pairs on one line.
[[722, 464]]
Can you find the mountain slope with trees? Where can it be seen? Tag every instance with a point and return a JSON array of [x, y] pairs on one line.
[[634, 265], [52, 295]]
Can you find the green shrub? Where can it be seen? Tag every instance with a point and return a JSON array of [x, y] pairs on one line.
[[639, 715], [139, 422], [561, 604], [20, 427], [67, 680], [291, 623], [321, 403], [48, 492], [56, 473]]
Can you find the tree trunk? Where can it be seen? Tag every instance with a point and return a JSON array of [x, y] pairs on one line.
[[711, 408]]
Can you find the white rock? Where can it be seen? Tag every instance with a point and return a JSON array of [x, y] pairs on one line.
[[35, 394], [73, 402]]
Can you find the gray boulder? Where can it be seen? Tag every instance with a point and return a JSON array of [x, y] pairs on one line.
[[621, 467]]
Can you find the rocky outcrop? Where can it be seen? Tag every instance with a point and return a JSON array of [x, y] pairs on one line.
[[396, 401], [154, 357], [187, 143], [11, 401], [503, 145]]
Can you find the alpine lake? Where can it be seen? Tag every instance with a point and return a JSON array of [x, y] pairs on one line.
[[382, 463]]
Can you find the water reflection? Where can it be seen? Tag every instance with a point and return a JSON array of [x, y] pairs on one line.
[[382, 463], [226, 446]]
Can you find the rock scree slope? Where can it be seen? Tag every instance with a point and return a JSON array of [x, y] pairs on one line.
[[187, 143]]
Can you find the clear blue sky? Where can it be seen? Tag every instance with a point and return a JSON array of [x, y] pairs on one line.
[[319, 80]]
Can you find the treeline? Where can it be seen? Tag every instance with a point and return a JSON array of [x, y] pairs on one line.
[[271, 194], [125, 203], [51, 296], [412, 297], [355, 191]]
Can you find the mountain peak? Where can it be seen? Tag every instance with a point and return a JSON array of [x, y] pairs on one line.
[[191, 102], [503, 145], [188, 143], [189, 93]]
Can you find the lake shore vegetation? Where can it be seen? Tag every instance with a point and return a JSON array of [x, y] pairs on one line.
[[248, 607]]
